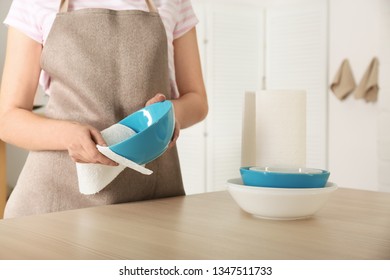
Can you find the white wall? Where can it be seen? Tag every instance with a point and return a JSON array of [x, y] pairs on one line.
[[359, 134]]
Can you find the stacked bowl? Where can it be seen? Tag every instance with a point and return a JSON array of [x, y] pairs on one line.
[[281, 193]]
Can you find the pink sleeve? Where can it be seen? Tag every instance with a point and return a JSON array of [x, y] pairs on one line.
[[22, 16], [186, 19]]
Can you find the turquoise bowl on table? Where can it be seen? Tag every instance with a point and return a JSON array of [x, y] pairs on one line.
[[274, 177], [154, 126]]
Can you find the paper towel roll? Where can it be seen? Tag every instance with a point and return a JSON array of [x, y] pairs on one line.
[[280, 129], [248, 148]]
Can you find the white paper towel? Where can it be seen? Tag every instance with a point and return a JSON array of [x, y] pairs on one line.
[[248, 150], [274, 128], [92, 178]]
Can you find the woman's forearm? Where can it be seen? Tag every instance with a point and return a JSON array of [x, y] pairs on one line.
[[190, 109], [30, 131]]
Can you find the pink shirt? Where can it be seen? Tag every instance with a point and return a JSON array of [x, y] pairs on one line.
[[35, 18]]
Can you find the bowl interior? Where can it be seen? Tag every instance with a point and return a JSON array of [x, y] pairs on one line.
[[147, 116], [287, 170]]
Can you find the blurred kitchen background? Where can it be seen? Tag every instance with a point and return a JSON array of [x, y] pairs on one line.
[[248, 45]]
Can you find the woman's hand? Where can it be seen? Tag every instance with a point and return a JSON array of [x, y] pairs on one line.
[[175, 134], [159, 97], [82, 140]]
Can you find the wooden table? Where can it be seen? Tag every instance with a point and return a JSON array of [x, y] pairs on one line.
[[354, 224], [3, 178]]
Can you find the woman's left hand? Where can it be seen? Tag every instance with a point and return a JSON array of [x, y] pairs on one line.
[[159, 97]]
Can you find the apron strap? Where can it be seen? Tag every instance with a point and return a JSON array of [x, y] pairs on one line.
[[64, 5], [151, 6]]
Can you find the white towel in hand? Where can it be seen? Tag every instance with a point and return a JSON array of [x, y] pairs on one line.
[[92, 178]]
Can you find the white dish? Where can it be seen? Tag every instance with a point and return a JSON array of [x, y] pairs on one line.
[[279, 203]]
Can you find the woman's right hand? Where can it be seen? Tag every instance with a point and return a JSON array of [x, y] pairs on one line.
[[81, 144]]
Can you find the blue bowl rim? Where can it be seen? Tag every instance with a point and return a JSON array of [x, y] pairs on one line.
[[246, 169]]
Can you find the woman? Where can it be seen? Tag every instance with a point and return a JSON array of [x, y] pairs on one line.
[[99, 62]]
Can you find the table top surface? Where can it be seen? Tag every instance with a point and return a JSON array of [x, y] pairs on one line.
[[354, 224]]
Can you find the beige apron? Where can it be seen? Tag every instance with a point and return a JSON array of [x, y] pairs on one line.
[[103, 65]]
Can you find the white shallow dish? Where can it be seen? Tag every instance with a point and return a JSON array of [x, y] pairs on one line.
[[279, 203]]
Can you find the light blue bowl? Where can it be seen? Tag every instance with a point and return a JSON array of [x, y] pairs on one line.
[[284, 177], [154, 126]]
